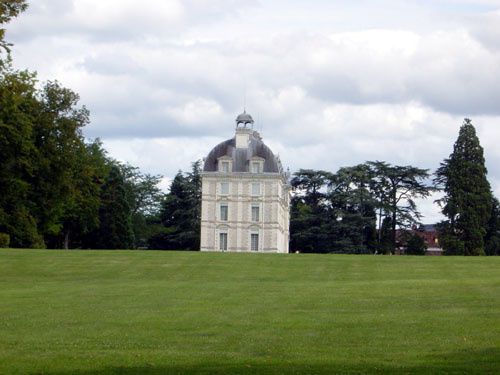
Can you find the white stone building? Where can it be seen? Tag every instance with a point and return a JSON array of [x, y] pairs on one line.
[[245, 195]]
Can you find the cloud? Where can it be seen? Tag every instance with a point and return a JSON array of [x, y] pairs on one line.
[[329, 84], [485, 28], [124, 20]]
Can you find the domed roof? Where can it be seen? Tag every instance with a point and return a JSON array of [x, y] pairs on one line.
[[244, 118], [241, 157]]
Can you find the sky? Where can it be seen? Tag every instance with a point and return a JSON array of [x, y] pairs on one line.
[[329, 83]]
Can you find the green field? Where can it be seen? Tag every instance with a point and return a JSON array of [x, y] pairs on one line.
[[150, 312]]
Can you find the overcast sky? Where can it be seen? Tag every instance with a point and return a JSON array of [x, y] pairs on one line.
[[329, 83]]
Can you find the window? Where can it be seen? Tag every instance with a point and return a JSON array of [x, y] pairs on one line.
[[255, 167], [254, 242], [224, 188], [255, 188], [223, 241], [223, 212], [224, 166], [255, 213]]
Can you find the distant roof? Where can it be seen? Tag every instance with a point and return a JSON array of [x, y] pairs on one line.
[[241, 156], [428, 227]]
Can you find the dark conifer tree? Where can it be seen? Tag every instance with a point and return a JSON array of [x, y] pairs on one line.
[[115, 230], [309, 222], [492, 239], [415, 245], [180, 213], [468, 199]]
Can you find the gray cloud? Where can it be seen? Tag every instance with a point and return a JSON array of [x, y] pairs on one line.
[[125, 20], [330, 84]]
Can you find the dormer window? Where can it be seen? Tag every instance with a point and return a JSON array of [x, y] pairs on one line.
[[224, 164], [256, 165]]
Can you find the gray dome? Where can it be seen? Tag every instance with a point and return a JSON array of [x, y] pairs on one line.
[[244, 118], [241, 156]]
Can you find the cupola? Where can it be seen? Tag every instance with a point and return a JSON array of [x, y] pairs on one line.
[[244, 119]]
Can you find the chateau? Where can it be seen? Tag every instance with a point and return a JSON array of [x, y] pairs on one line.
[[245, 195]]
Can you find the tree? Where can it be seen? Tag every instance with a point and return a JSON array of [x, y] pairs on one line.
[[144, 198], [310, 184], [18, 112], [353, 209], [115, 231], [337, 212], [58, 177], [492, 238], [81, 211], [9, 9], [332, 212], [385, 244], [468, 200], [180, 213], [415, 245], [51, 180], [194, 212], [396, 188], [309, 210]]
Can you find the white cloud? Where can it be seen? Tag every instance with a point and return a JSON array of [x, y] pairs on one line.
[[329, 83]]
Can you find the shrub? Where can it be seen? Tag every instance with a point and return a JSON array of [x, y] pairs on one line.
[[4, 240], [416, 245]]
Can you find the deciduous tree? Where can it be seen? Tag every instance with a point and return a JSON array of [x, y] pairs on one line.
[[9, 9], [18, 113]]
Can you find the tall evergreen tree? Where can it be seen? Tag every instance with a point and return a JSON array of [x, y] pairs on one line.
[[115, 231], [468, 199], [492, 238], [180, 213], [310, 224]]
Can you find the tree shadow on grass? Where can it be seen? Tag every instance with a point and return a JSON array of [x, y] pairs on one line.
[[486, 361]]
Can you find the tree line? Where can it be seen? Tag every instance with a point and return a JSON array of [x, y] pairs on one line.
[[59, 190], [340, 212], [56, 188], [360, 209]]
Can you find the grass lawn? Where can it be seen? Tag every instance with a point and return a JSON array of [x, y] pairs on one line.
[[151, 312]]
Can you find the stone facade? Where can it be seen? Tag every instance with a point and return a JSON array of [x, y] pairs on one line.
[[245, 196]]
